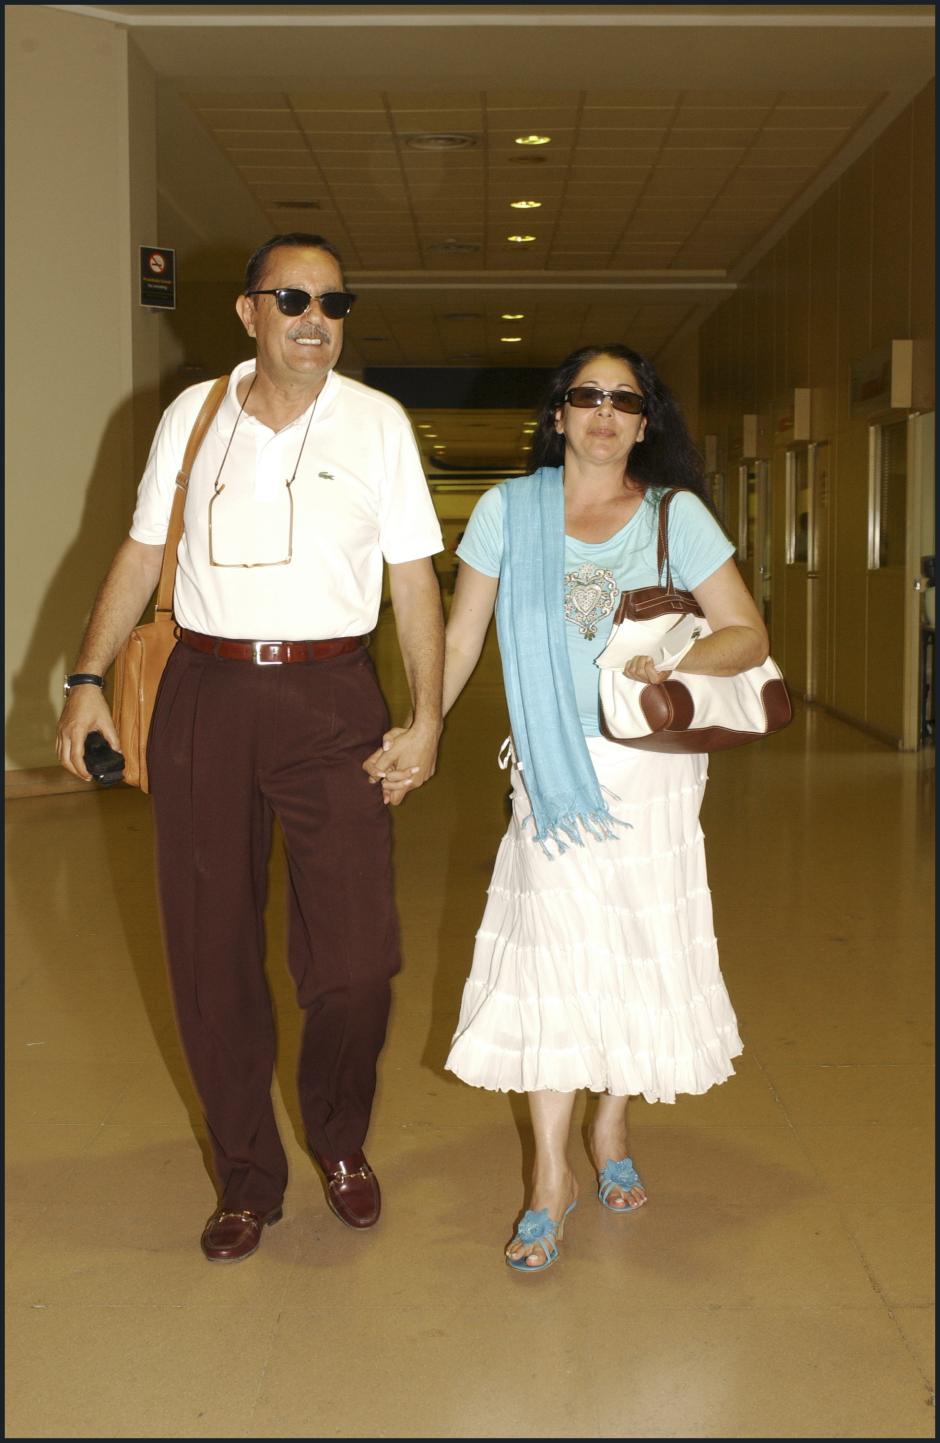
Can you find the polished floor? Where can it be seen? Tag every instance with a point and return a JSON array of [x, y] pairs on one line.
[[779, 1284]]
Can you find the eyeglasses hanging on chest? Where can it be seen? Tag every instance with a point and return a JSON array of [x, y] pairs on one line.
[[267, 527]]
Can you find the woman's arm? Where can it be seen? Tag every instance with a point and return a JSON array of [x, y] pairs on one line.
[[739, 637], [470, 615]]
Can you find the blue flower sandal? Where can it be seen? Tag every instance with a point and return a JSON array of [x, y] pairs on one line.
[[539, 1228], [623, 1176]]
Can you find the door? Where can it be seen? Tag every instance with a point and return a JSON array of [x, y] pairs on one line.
[[817, 572], [796, 630], [920, 617], [747, 511], [763, 539]]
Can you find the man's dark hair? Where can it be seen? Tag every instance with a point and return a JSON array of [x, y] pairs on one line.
[[665, 457], [300, 240]]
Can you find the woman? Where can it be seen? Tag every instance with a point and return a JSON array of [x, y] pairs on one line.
[[595, 965]]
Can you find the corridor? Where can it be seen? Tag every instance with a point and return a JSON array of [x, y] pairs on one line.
[[777, 1285]]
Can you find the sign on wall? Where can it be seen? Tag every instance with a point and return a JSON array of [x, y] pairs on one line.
[[158, 277]]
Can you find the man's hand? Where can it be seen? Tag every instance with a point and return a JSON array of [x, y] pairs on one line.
[[85, 711], [405, 761]]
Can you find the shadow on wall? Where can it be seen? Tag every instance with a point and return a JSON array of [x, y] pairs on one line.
[[203, 338], [60, 621]]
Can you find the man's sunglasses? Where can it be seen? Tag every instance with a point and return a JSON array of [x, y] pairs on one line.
[[335, 305], [584, 397]]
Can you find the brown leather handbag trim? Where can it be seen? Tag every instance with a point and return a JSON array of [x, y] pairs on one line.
[[667, 706], [676, 737], [648, 602]]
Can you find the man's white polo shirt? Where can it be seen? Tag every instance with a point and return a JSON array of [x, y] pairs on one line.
[[360, 495]]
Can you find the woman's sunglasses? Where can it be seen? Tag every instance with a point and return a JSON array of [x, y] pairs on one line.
[[584, 397], [335, 305]]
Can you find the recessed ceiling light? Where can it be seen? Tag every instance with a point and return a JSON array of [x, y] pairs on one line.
[[520, 240], [525, 204], [508, 339], [533, 139], [441, 140], [512, 316], [424, 425]]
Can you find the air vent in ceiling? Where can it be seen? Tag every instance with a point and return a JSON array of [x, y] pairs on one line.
[[454, 247], [442, 140], [526, 159], [297, 205], [463, 315]]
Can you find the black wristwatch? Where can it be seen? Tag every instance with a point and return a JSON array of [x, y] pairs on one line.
[[82, 678]]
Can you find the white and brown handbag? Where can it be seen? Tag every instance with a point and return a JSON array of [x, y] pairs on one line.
[[686, 713]]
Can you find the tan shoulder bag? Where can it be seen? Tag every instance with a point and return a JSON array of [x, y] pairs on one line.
[[139, 664]]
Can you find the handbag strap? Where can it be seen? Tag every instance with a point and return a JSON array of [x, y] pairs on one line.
[[662, 545], [196, 437]]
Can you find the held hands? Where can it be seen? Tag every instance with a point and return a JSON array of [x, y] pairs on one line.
[[643, 669], [85, 711], [405, 761]]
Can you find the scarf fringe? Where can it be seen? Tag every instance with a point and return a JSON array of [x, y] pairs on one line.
[[599, 825]]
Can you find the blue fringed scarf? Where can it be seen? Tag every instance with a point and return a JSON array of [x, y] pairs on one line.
[[556, 765]]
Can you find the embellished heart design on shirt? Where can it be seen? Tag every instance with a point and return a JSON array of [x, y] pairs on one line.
[[585, 598], [590, 596]]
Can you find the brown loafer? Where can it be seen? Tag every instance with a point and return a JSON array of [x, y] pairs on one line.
[[230, 1236], [352, 1189]]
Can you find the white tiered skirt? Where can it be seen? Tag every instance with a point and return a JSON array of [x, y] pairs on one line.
[[598, 968]]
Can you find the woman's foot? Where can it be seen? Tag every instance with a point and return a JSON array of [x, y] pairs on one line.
[[556, 1196], [610, 1145]]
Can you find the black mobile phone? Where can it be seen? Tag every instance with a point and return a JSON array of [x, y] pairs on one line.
[[105, 764]]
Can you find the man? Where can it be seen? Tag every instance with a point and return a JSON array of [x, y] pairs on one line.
[[304, 483]]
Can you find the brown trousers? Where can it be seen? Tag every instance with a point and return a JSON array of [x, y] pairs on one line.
[[233, 745]]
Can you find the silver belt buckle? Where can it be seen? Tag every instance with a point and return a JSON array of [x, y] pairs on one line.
[[256, 653]]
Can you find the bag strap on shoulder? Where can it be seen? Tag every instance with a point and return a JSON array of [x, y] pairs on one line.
[[196, 437], [662, 545]]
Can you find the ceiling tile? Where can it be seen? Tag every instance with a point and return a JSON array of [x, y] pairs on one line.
[[235, 100], [416, 99], [646, 117], [303, 173], [730, 99], [258, 140], [857, 101], [631, 97], [715, 117], [790, 118], [255, 120], [421, 122], [730, 140], [635, 138], [337, 99], [343, 122]]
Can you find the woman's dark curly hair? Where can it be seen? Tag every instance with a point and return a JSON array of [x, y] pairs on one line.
[[665, 456]]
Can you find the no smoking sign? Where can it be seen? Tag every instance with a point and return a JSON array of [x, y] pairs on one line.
[[158, 277]]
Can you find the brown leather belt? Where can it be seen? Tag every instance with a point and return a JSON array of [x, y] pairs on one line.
[[268, 653]]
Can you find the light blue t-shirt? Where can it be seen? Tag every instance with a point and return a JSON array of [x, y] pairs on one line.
[[597, 572]]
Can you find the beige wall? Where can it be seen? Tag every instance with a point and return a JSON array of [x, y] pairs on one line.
[[82, 356], [852, 275]]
